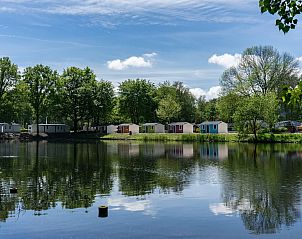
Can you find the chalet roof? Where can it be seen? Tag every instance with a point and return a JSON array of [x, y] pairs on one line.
[[289, 123], [179, 123], [211, 122], [127, 124], [9, 124], [51, 124], [151, 124]]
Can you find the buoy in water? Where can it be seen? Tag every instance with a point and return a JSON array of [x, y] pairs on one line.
[[103, 211], [13, 190]]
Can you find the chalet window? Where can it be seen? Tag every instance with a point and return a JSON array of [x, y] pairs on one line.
[[215, 126], [203, 126], [46, 127], [180, 127]]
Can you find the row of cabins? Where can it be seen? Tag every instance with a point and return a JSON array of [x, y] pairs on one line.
[[177, 127], [43, 128], [10, 128], [212, 127]]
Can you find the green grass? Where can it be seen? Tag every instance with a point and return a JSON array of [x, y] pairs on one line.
[[232, 137], [174, 137]]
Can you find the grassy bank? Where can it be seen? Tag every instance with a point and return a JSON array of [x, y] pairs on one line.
[[174, 137], [232, 137]]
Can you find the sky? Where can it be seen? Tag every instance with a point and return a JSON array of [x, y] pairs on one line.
[[192, 41]]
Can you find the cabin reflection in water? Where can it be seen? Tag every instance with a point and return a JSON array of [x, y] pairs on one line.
[[214, 151], [180, 150], [128, 149], [153, 150], [9, 149]]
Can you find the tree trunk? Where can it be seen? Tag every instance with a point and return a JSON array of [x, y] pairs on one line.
[[75, 121], [255, 130], [37, 122], [75, 125]]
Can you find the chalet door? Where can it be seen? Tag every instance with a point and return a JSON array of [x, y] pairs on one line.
[[208, 129]]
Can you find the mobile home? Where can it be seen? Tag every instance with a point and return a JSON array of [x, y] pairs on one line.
[[153, 128], [128, 128], [214, 127], [181, 127], [49, 128]]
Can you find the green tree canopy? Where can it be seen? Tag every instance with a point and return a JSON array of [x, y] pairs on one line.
[[168, 109], [254, 112], [8, 79], [182, 96], [137, 100], [8, 75], [227, 106], [39, 79], [103, 102], [262, 70], [77, 92]]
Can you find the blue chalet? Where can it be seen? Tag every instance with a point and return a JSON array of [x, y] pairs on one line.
[[214, 127]]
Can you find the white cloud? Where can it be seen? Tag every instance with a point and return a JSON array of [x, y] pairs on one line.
[[153, 54], [132, 205], [134, 61], [242, 205], [225, 60], [192, 10], [212, 93], [299, 59], [220, 208]]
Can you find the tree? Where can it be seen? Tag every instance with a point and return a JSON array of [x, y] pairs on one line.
[[77, 85], [103, 101], [20, 100], [8, 75], [8, 78], [186, 101], [227, 106], [39, 79], [262, 70], [211, 112], [254, 111], [168, 109], [137, 100], [182, 96], [292, 98], [200, 114], [286, 9]]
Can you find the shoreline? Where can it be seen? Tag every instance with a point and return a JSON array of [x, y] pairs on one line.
[[197, 137], [161, 137]]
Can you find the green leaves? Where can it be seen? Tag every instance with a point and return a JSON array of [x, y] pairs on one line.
[[137, 100], [40, 80], [77, 91], [286, 9]]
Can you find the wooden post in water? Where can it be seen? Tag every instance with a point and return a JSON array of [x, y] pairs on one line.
[[13, 190], [103, 211]]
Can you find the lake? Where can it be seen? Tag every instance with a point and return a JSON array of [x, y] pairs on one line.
[[153, 190]]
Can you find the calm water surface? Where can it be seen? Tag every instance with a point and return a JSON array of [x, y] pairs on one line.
[[153, 190]]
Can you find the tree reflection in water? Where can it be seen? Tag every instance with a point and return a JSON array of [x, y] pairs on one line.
[[260, 183]]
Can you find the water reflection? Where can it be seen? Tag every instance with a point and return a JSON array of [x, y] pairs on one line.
[[261, 184], [263, 187]]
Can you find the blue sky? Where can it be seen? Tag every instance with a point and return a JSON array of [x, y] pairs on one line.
[[157, 39]]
